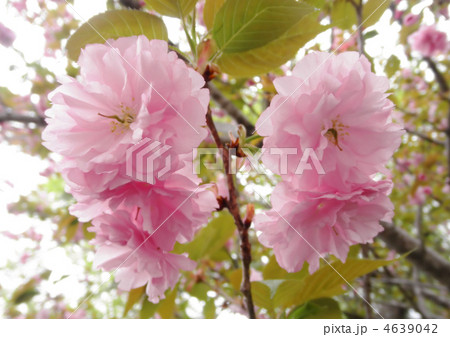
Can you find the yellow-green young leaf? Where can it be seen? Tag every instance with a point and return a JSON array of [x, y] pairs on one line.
[[243, 25], [209, 310], [322, 308], [326, 282], [373, 10], [273, 271], [210, 239], [133, 296], [392, 65], [343, 14], [174, 8], [166, 307], [24, 293], [262, 296], [210, 10], [67, 225], [200, 290], [274, 54], [235, 278], [148, 309], [115, 24]]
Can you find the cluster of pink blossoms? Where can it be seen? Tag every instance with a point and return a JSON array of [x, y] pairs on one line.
[[429, 41], [335, 106], [128, 91]]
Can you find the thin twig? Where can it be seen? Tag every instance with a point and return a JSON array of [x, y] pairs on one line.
[[230, 108], [232, 205], [425, 137], [13, 117]]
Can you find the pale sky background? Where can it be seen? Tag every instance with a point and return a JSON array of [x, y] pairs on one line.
[[19, 172]]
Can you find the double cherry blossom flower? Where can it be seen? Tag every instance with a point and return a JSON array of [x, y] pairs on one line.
[[335, 106], [129, 90]]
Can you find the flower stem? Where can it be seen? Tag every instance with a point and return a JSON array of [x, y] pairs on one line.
[[232, 205]]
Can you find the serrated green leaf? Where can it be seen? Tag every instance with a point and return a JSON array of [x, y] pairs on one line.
[[211, 238], [274, 54], [373, 10], [210, 10], [133, 297], [328, 281], [322, 308], [174, 8], [115, 24], [243, 25]]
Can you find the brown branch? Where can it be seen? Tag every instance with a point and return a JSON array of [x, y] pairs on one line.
[[443, 87], [427, 259], [367, 286], [230, 108], [13, 117], [359, 14], [425, 137], [439, 300], [232, 205]]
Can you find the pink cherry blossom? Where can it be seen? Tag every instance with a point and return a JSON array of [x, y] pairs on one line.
[[304, 224], [130, 91], [420, 195], [124, 246], [334, 105], [428, 41], [126, 93], [410, 19], [398, 14], [7, 36]]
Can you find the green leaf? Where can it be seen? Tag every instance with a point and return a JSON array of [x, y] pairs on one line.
[[235, 277], [392, 65], [326, 282], [373, 10], [148, 309], [209, 310], [166, 307], [24, 293], [274, 54], [262, 295], [370, 34], [210, 10], [174, 8], [273, 271], [322, 308], [211, 238], [200, 290], [244, 25], [133, 297], [115, 24], [343, 14]]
